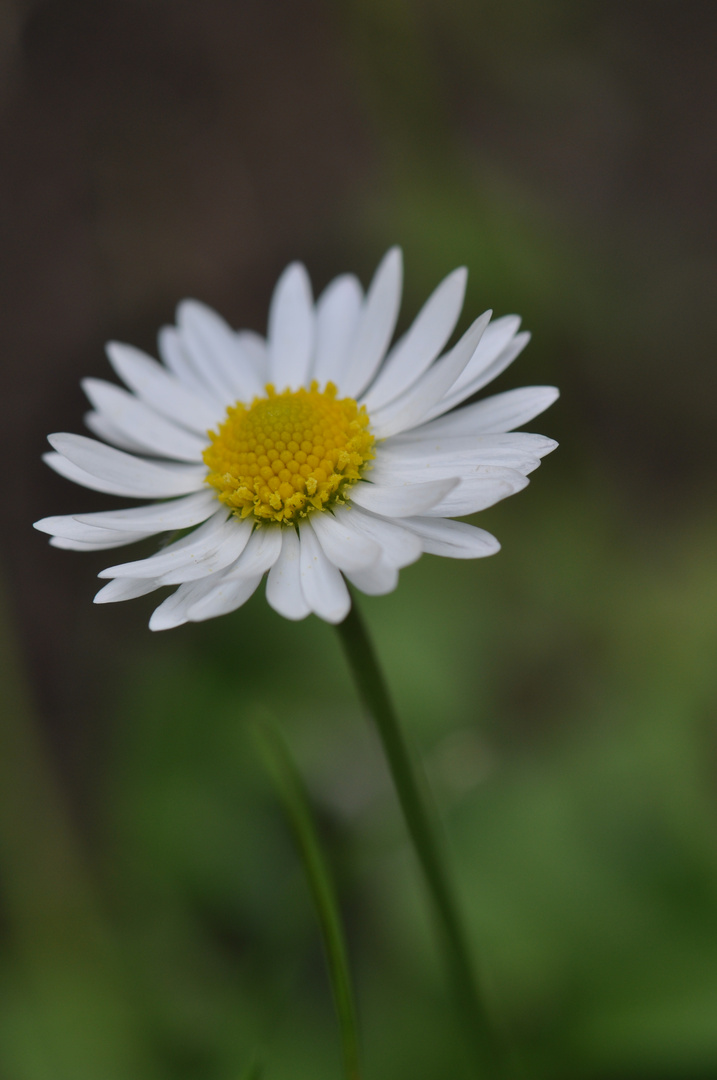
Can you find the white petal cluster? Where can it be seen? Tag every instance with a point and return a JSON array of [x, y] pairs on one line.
[[433, 461]]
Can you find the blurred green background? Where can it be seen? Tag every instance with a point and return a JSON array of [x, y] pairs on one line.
[[155, 923]]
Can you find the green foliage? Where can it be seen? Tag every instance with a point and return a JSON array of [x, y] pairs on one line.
[[560, 694]]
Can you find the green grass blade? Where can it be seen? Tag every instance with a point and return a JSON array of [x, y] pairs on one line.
[[294, 797]]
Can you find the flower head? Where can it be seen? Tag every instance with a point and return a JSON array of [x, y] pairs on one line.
[[320, 453]]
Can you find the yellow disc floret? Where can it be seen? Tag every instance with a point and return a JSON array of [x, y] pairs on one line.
[[287, 455]]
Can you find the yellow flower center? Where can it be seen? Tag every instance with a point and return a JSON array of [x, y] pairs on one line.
[[289, 454]]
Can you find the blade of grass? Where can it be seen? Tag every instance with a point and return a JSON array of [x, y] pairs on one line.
[[294, 797]]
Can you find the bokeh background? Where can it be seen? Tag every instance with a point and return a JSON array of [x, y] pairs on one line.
[[154, 918]]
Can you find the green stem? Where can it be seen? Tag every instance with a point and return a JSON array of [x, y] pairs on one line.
[[293, 794], [411, 787]]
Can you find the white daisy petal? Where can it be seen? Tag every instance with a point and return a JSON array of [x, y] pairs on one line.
[[434, 459], [412, 406], [173, 351], [96, 545], [68, 527], [125, 589], [402, 499], [156, 517], [174, 610], [196, 546], [422, 343], [291, 329], [347, 549], [498, 335], [124, 474], [259, 555], [399, 547], [234, 586], [208, 359], [65, 468], [338, 310], [101, 426], [460, 467], [70, 471], [499, 413], [256, 354], [375, 326], [322, 585], [210, 341], [141, 424], [195, 556], [171, 612], [228, 595], [228, 546], [162, 391], [375, 580], [283, 586], [453, 539], [460, 393], [489, 486], [417, 445]]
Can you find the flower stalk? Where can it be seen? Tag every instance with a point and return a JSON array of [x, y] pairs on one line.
[[412, 790]]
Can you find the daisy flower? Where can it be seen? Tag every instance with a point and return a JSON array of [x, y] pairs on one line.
[[319, 454]]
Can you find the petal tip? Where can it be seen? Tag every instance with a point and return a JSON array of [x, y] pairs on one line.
[[57, 439], [186, 310], [114, 350]]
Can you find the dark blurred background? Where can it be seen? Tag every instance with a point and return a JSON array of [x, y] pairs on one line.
[[154, 921]]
